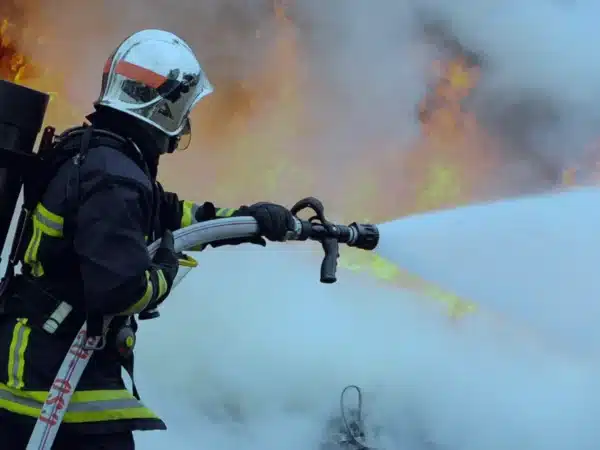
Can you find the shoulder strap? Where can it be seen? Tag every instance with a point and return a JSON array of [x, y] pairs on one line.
[[52, 153], [31, 192], [73, 195]]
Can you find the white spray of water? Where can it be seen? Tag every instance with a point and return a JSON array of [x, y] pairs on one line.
[[252, 353], [534, 259]]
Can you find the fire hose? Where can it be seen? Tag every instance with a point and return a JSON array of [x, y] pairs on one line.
[[316, 228]]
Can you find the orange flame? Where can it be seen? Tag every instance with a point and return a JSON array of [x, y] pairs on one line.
[[446, 167], [455, 155], [253, 121], [263, 113], [14, 65]]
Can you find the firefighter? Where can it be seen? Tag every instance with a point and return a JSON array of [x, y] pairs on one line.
[[85, 252]]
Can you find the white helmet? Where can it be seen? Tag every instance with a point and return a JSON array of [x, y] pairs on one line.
[[154, 76]]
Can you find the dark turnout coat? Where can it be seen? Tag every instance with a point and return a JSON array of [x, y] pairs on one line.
[[86, 246]]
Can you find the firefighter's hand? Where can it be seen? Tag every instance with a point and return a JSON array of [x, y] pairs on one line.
[[274, 221]]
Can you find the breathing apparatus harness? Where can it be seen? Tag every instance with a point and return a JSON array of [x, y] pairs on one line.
[[53, 152]]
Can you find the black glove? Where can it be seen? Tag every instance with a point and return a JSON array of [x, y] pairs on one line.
[[274, 221], [166, 260]]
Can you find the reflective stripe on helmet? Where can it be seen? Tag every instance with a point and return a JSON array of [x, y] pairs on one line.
[[136, 73], [154, 76]]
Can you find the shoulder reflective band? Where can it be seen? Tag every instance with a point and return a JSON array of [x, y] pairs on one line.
[[82, 348]]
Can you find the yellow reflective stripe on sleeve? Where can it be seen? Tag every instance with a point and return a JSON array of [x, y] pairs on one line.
[[32, 250], [85, 406], [16, 356], [188, 214], [141, 304], [47, 223], [50, 223], [163, 286], [225, 212]]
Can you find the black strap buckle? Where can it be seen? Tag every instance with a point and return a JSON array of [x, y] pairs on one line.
[[96, 333]]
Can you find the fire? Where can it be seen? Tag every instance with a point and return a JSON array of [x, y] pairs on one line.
[[17, 65], [455, 155], [441, 112], [255, 118], [449, 165], [253, 121], [14, 65], [446, 168]]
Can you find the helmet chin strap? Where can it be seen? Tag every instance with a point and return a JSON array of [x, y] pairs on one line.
[[182, 140], [187, 140], [173, 144]]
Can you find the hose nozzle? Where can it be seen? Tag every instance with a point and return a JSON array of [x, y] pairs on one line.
[[366, 236]]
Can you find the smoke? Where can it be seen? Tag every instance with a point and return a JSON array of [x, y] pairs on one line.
[[540, 66], [311, 104], [538, 91], [260, 364], [372, 68]]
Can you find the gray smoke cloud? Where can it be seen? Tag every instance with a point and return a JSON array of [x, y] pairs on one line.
[[538, 91], [369, 65], [540, 86]]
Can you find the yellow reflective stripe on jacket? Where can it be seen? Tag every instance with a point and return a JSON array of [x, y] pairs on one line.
[[16, 355], [46, 223], [152, 293], [188, 214], [163, 286], [85, 406], [141, 304], [225, 212]]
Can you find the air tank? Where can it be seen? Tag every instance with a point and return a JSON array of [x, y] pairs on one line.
[[22, 112]]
